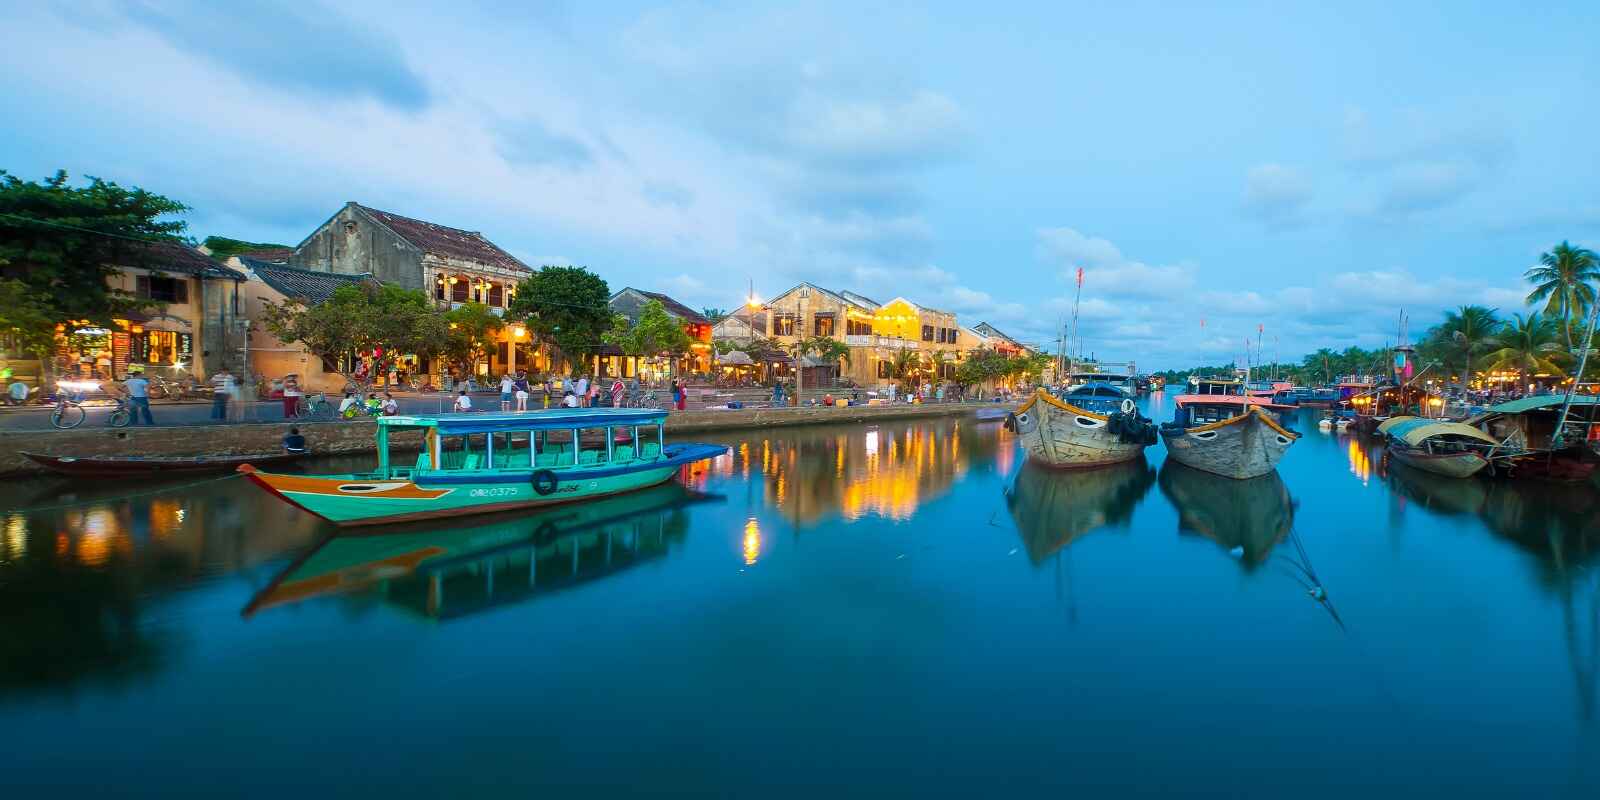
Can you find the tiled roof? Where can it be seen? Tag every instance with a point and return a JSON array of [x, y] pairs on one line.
[[271, 254], [673, 307], [989, 330], [311, 286], [859, 299], [447, 242], [181, 259]]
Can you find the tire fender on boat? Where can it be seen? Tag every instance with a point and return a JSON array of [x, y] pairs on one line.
[[545, 481], [1127, 405]]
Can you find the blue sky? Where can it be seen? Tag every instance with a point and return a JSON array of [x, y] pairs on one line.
[[1313, 169]]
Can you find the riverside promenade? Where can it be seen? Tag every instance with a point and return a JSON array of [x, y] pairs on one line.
[[341, 437]]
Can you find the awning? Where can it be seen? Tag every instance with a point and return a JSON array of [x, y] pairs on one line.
[[1539, 401], [553, 419], [1413, 430]]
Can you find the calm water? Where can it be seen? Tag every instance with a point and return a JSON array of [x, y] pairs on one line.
[[895, 610]]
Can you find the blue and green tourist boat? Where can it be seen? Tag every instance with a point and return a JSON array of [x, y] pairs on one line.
[[479, 463]]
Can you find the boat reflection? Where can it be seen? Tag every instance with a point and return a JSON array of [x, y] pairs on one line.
[[1437, 493], [1053, 508], [448, 573], [1248, 517]]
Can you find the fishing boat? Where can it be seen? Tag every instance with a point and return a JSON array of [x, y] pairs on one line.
[[1224, 431], [1536, 440], [479, 463], [1118, 375], [151, 466], [1444, 448], [1090, 426], [447, 572], [1248, 517]]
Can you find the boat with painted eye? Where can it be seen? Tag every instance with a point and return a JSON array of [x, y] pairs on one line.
[[1092, 425], [482, 463], [1220, 429]]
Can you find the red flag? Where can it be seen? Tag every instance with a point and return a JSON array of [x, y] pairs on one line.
[[1202, 322], [1080, 277], [1259, 327]]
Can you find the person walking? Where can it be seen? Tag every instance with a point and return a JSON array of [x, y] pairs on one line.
[[508, 389], [777, 394], [582, 390], [520, 386], [138, 388], [221, 393], [619, 390], [291, 395], [682, 394]]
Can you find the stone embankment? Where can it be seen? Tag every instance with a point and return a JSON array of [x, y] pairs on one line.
[[336, 438]]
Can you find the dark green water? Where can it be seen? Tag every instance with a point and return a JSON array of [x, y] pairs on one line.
[[902, 610]]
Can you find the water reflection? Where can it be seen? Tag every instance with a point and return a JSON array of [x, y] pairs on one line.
[[1053, 508], [1247, 518], [444, 573]]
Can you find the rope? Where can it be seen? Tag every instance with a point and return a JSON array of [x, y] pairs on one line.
[[119, 498]]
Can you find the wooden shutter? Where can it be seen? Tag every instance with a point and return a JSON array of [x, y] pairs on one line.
[[180, 290], [141, 286]]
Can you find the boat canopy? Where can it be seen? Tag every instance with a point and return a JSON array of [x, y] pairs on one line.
[[1413, 430], [1537, 402], [1097, 389], [563, 419]]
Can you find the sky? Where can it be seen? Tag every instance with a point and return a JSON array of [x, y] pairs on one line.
[[1301, 174]]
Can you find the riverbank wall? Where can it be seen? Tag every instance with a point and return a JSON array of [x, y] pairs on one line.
[[356, 436]]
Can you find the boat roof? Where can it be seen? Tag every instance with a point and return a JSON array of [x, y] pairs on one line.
[[1095, 387], [1222, 399], [1101, 375], [550, 419], [1413, 430], [1537, 402]]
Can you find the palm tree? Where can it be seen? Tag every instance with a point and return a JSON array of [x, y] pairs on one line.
[[1320, 363], [1468, 330], [1527, 345], [904, 365], [1561, 281]]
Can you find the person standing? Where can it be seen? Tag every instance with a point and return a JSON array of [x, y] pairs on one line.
[[522, 390], [138, 388], [777, 394], [221, 392], [682, 391], [508, 389], [582, 390], [291, 395], [619, 390]]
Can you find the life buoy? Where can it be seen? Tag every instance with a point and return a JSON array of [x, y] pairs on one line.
[[1127, 405], [544, 481]]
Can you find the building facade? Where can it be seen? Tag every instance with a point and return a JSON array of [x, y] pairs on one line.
[[630, 303], [271, 358], [876, 333]]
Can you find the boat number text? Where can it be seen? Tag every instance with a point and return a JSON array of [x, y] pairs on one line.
[[504, 491]]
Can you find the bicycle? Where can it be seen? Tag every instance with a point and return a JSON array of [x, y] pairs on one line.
[[69, 413], [644, 400], [313, 406]]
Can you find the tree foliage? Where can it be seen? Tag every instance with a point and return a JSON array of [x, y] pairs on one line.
[[24, 321], [62, 242], [1563, 280], [655, 333], [824, 348], [1529, 345], [470, 330], [222, 248], [362, 319], [566, 308], [981, 366]]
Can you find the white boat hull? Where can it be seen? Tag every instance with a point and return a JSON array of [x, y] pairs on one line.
[[1060, 435], [1247, 446]]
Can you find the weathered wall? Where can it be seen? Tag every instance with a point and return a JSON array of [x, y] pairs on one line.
[[352, 244], [357, 436]]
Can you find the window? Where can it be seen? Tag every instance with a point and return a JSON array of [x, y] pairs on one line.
[[783, 325], [857, 327], [165, 348], [497, 295], [822, 324], [459, 290], [883, 369], [438, 289], [927, 333], [162, 289]]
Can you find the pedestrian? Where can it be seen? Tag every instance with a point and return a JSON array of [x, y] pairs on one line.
[[291, 395], [508, 389], [374, 405], [463, 402], [138, 388], [221, 393], [293, 442], [618, 391], [777, 394], [582, 389], [347, 406], [391, 407], [593, 398], [682, 392], [570, 400], [549, 389], [522, 390], [16, 391]]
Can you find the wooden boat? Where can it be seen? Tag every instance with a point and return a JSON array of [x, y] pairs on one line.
[[450, 571], [1526, 433], [1225, 432], [1245, 517], [1053, 508], [1091, 426], [1443, 448], [153, 466], [479, 463]]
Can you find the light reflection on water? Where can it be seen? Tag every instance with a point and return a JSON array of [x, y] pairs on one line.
[[941, 594]]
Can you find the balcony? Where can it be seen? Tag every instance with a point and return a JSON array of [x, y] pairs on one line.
[[873, 340]]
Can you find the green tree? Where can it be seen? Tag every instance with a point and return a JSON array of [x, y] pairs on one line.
[[1028, 367], [1466, 332], [1528, 345], [566, 308], [26, 322], [222, 248], [470, 330], [62, 242], [361, 319], [981, 365], [1562, 281], [655, 333], [714, 314], [825, 348], [904, 366]]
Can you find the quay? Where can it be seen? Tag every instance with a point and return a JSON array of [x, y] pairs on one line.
[[346, 437]]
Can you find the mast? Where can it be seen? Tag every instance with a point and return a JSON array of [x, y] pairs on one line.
[[1566, 404], [1078, 295]]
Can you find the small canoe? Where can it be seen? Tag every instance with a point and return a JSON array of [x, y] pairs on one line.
[[1451, 465], [136, 466]]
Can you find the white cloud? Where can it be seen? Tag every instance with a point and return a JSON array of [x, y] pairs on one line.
[[1276, 195], [1107, 270]]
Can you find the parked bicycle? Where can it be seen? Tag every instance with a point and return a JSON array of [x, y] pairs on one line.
[[314, 406], [643, 400], [70, 412]]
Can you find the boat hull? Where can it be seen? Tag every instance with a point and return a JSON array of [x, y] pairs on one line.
[[1246, 446], [1452, 465], [1060, 435], [133, 467], [355, 500]]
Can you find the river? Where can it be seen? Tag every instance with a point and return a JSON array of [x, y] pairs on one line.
[[893, 610]]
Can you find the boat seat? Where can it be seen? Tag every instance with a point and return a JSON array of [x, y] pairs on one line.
[[471, 461], [650, 450], [423, 462], [623, 452], [589, 457]]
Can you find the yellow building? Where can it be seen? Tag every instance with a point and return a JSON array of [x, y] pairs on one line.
[[875, 332]]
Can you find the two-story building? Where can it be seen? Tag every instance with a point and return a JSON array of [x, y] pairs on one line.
[[875, 332], [270, 357], [453, 266], [999, 341], [630, 302]]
